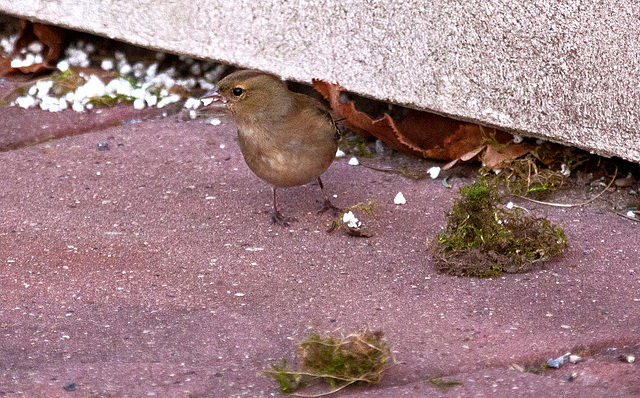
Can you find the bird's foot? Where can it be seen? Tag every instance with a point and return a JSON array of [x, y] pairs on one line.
[[281, 220], [327, 206]]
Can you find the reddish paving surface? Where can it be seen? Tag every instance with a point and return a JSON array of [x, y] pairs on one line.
[[151, 269]]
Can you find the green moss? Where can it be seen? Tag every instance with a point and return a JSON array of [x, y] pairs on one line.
[[483, 239], [110, 100], [65, 82], [355, 144], [338, 361], [288, 381]]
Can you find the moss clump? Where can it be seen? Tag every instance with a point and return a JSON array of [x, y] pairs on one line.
[[482, 239], [338, 361]]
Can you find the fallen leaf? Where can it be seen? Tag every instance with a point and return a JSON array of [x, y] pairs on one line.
[[495, 155], [51, 37], [418, 133]]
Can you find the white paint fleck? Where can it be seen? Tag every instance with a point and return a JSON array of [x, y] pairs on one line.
[[351, 220], [434, 172], [399, 199]]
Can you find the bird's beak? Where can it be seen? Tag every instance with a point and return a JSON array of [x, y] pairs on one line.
[[213, 99]]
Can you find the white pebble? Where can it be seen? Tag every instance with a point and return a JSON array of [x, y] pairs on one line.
[[77, 106], [192, 103], [107, 64], [168, 100], [340, 153], [517, 139], [205, 85], [26, 101], [77, 57], [565, 170], [43, 87], [510, 205], [215, 122], [150, 99], [119, 86], [125, 69], [354, 161], [193, 114], [152, 70], [138, 103], [35, 47], [631, 214], [399, 199], [434, 172], [50, 104]]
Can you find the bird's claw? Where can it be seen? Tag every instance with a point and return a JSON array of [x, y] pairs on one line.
[[327, 206], [282, 221]]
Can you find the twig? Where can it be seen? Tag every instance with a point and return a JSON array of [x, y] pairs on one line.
[[323, 393], [636, 219], [615, 174]]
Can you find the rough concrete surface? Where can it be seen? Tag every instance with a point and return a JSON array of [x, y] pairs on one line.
[[151, 269], [565, 71]]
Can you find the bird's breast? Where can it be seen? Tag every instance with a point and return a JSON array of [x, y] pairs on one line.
[[280, 160]]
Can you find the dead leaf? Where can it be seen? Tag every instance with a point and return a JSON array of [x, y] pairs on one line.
[[51, 37], [495, 155], [418, 133]]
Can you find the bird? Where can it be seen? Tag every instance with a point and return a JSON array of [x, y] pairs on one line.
[[287, 139]]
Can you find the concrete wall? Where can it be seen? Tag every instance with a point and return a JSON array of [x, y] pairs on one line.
[[568, 71]]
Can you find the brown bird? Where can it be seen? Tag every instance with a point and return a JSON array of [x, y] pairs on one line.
[[286, 138]]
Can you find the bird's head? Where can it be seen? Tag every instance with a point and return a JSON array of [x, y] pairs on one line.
[[252, 96]]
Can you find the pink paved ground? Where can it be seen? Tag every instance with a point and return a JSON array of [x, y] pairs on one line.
[[152, 269]]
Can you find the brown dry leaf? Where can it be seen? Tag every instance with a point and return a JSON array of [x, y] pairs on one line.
[[51, 37], [495, 155], [419, 133], [465, 157]]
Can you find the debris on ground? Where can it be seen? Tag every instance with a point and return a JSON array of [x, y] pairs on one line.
[[484, 239], [339, 361]]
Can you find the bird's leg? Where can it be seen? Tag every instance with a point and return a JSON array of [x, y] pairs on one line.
[[327, 206], [278, 218]]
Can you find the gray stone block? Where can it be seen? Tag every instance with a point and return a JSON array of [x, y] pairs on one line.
[[565, 71]]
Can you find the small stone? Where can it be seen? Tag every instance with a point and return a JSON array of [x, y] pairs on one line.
[[629, 358], [434, 172], [103, 146], [69, 387], [570, 377], [354, 161], [575, 358]]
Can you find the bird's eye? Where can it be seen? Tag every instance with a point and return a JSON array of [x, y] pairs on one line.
[[237, 91]]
